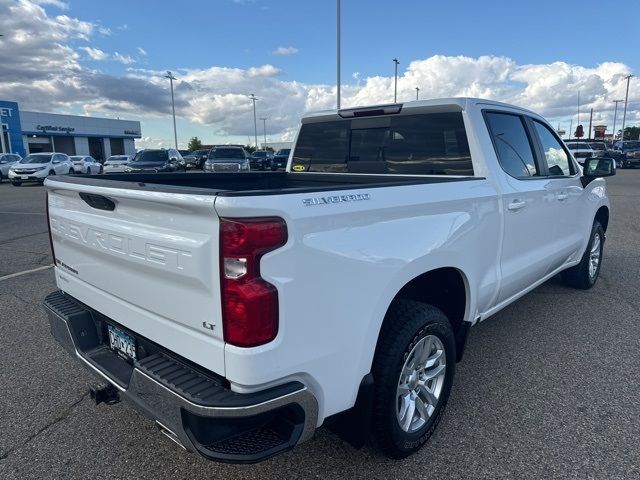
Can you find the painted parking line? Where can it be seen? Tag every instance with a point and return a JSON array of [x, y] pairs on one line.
[[21, 213], [13, 275]]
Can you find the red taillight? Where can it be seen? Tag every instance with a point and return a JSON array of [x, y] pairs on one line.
[[53, 253], [249, 303]]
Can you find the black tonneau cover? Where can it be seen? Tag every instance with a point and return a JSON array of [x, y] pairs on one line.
[[250, 183]]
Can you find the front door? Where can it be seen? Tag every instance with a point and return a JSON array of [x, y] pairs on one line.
[[571, 225], [526, 203]]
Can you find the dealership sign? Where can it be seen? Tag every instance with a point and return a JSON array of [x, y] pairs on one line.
[[5, 112], [55, 128]]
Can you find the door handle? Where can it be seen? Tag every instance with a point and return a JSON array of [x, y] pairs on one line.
[[516, 205], [562, 196]]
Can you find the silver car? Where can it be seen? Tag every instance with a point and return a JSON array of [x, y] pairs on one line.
[[116, 163], [36, 167], [6, 161], [85, 164]]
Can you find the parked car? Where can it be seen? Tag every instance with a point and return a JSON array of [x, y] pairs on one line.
[[183, 152], [280, 159], [580, 151], [35, 167], [196, 158], [85, 164], [244, 312], [226, 158], [6, 161], [261, 160], [631, 151], [116, 163], [156, 161]]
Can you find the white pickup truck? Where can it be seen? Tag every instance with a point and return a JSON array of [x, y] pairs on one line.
[[241, 311]]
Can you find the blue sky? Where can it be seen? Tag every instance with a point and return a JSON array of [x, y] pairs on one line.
[[107, 58], [196, 34]]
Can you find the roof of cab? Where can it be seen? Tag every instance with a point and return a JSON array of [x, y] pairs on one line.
[[459, 103]]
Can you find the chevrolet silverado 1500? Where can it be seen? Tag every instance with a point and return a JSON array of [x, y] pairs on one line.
[[241, 311]]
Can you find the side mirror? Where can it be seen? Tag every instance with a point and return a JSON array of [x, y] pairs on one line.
[[173, 159], [596, 167]]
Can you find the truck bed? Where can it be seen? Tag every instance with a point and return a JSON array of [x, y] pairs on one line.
[[251, 183]]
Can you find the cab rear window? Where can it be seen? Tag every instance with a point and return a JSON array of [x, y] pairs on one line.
[[424, 144]]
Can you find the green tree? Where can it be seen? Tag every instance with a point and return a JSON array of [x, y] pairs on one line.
[[194, 144], [250, 148], [632, 133]]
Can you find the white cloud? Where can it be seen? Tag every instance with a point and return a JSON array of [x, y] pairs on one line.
[[124, 59], [56, 3], [285, 51], [264, 71], [141, 51], [95, 53]]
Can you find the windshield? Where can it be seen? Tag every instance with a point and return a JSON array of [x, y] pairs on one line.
[[597, 146], [259, 154], [631, 145], [119, 158], [151, 156], [284, 151], [37, 158], [198, 153], [77, 159], [227, 153]]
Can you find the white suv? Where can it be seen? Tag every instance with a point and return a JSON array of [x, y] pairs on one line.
[[85, 164], [6, 161], [35, 167]]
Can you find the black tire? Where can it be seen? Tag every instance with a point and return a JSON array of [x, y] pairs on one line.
[[16, 184], [406, 323], [88, 170], [579, 276], [52, 172]]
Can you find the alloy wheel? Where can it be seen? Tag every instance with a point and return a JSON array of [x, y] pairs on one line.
[[420, 384]]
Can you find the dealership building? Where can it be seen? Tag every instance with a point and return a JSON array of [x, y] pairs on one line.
[[26, 132]]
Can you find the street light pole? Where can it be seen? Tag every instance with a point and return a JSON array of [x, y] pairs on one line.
[[338, 57], [255, 121], [578, 107], [264, 125], [171, 78], [626, 100], [615, 114], [395, 83], [417, 93]]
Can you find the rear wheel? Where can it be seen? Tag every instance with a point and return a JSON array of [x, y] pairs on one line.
[[585, 274], [413, 370], [88, 170]]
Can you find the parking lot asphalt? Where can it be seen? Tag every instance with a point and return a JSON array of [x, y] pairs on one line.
[[548, 388]]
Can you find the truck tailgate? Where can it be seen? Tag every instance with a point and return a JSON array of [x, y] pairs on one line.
[[147, 260]]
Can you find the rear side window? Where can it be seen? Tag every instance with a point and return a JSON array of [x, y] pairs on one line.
[[426, 144], [512, 144], [555, 156]]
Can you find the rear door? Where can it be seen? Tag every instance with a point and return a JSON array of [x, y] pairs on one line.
[[526, 204], [147, 260]]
